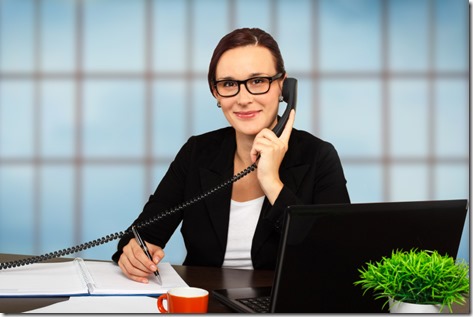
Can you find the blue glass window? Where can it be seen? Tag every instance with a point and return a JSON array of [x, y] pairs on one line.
[[452, 118], [351, 115], [113, 194], [17, 124], [58, 119], [58, 39], [350, 35], [16, 35], [113, 118], [408, 113], [97, 97], [17, 214], [110, 45], [408, 23]]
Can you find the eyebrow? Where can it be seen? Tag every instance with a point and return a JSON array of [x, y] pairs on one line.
[[251, 76]]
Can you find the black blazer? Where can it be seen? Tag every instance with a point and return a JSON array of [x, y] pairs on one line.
[[311, 172]]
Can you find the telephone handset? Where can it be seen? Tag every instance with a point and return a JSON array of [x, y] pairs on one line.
[[289, 93]]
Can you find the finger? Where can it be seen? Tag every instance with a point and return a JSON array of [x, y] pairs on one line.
[[156, 253], [266, 139], [286, 133], [130, 271], [138, 258], [143, 262]]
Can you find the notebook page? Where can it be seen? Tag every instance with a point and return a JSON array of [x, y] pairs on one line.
[[109, 280], [42, 279]]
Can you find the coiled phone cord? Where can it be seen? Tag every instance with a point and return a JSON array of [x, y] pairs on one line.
[[117, 235]]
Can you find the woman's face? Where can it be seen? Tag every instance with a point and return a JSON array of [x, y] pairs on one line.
[[246, 112]]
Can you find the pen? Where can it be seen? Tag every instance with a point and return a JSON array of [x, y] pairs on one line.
[[145, 249]]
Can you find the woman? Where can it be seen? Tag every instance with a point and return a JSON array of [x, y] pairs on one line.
[[238, 226]]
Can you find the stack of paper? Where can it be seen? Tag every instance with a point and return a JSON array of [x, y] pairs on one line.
[[103, 304], [80, 277]]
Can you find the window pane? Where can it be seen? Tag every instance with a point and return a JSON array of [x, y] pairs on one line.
[[113, 118], [452, 37], [58, 119], [409, 118], [210, 25], [464, 248], [350, 35], [452, 181], [170, 43], [351, 112], [207, 116], [114, 36], [409, 182], [171, 117], [175, 249], [57, 208], [16, 118], [58, 41], [295, 39], [16, 210], [451, 119], [250, 13], [16, 35], [408, 33], [364, 182], [159, 170], [112, 199]]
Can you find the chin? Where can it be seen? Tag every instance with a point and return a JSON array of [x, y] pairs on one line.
[[251, 129], [249, 132]]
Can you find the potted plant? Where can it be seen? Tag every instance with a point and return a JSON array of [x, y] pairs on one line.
[[417, 277]]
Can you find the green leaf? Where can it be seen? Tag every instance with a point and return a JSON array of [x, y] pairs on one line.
[[417, 276]]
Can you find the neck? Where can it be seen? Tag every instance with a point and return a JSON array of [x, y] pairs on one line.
[[244, 144]]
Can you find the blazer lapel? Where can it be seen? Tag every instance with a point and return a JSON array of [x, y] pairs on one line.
[[218, 172]]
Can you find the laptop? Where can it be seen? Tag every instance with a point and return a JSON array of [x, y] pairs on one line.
[[323, 246]]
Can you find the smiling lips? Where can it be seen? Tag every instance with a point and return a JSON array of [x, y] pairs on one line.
[[246, 114]]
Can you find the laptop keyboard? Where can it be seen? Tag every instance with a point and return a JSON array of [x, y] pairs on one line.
[[257, 304]]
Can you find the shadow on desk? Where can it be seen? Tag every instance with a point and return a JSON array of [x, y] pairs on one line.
[[209, 278]]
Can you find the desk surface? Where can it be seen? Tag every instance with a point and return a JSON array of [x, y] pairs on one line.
[[209, 278]]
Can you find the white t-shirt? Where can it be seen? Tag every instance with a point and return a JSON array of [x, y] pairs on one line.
[[241, 229]]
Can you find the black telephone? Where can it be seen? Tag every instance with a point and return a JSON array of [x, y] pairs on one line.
[[289, 93]]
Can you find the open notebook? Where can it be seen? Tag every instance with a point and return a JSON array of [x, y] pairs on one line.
[[323, 246], [79, 277]]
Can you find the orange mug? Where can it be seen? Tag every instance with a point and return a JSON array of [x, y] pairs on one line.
[[184, 300]]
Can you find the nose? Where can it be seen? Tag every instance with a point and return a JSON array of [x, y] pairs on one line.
[[244, 96]]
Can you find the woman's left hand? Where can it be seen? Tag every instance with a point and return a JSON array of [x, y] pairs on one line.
[[271, 151]]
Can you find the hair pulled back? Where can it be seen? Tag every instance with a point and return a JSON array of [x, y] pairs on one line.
[[244, 37]]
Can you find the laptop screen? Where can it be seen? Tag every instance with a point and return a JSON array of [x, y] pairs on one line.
[[323, 247]]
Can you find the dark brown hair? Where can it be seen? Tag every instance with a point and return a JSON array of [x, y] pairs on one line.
[[244, 37]]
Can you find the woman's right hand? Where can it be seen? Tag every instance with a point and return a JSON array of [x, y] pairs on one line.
[[136, 265]]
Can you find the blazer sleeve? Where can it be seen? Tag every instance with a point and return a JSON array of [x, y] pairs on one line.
[[161, 205], [324, 183]]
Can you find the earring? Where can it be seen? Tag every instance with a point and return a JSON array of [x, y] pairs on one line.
[[281, 98], [219, 105]]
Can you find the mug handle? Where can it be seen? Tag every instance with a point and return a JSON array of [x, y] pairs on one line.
[[160, 303]]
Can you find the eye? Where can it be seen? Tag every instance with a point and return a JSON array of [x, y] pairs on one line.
[[228, 84], [258, 81]]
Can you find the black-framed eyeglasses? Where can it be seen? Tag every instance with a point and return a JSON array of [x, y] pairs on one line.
[[255, 85]]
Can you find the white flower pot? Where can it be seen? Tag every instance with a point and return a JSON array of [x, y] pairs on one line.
[[396, 307]]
